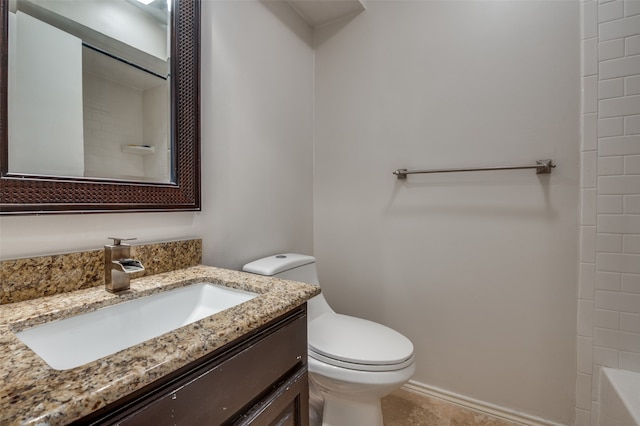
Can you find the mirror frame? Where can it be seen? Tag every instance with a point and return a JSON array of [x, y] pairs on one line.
[[33, 194]]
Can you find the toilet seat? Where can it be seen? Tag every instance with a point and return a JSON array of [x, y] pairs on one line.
[[358, 344]]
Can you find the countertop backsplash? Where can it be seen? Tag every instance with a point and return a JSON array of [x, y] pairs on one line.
[[30, 278]]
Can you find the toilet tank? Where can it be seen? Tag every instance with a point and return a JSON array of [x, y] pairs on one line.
[[288, 266]]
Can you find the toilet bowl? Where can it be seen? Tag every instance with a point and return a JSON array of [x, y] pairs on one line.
[[353, 362]]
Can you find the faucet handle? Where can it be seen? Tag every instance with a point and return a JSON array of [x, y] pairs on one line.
[[118, 240]]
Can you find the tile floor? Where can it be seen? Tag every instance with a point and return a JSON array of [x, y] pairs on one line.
[[406, 408]]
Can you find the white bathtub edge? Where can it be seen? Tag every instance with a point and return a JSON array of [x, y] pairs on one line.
[[619, 398]]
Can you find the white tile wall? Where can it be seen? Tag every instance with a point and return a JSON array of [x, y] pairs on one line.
[[606, 319], [630, 322], [619, 28], [610, 165], [590, 57], [611, 243], [618, 223], [631, 8], [608, 281], [611, 88], [632, 123], [589, 132], [627, 105], [631, 244], [610, 11], [588, 280], [610, 204], [611, 49], [618, 301], [113, 114], [605, 357], [585, 355], [589, 167], [583, 417], [632, 86], [631, 204], [632, 46], [609, 305], [610, 126], [632, 164], [631, 283], [629, 361], [621, 145]]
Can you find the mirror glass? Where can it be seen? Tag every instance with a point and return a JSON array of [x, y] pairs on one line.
[[89, 91]]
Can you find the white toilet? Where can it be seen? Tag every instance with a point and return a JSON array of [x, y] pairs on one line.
[[352, 361]]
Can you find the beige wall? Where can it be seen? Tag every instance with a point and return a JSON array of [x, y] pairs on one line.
[[257, 123], [478, 269], [257, 81]]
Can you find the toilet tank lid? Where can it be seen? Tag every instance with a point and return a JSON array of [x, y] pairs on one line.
[[278, 263]]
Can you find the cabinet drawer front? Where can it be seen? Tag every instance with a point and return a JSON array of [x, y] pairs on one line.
[[222, 392]]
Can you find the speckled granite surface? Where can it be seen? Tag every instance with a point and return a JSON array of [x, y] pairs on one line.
[[32, 393], [24, 279]]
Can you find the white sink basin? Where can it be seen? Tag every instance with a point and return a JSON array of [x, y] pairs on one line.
[[74, 341]]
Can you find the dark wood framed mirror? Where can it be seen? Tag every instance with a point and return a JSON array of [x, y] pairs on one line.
[[31, 193]]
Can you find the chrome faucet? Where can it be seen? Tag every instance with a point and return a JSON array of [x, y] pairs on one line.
[[118, 265]]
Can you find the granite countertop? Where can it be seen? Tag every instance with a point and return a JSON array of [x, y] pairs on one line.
[[32, 393]]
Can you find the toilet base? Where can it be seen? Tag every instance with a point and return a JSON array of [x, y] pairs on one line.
[[347, 412], [353, 397]]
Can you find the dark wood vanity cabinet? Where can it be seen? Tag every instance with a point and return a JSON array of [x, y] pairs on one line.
[[259, 380]]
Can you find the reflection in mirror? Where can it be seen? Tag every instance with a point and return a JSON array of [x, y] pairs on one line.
[[89, 89]]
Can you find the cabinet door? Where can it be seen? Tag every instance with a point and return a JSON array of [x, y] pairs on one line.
[[288, 405]]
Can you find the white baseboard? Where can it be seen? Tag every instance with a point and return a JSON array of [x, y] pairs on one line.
[[477, 405]]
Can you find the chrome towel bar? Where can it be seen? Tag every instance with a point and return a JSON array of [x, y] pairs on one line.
[[541, 166]]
